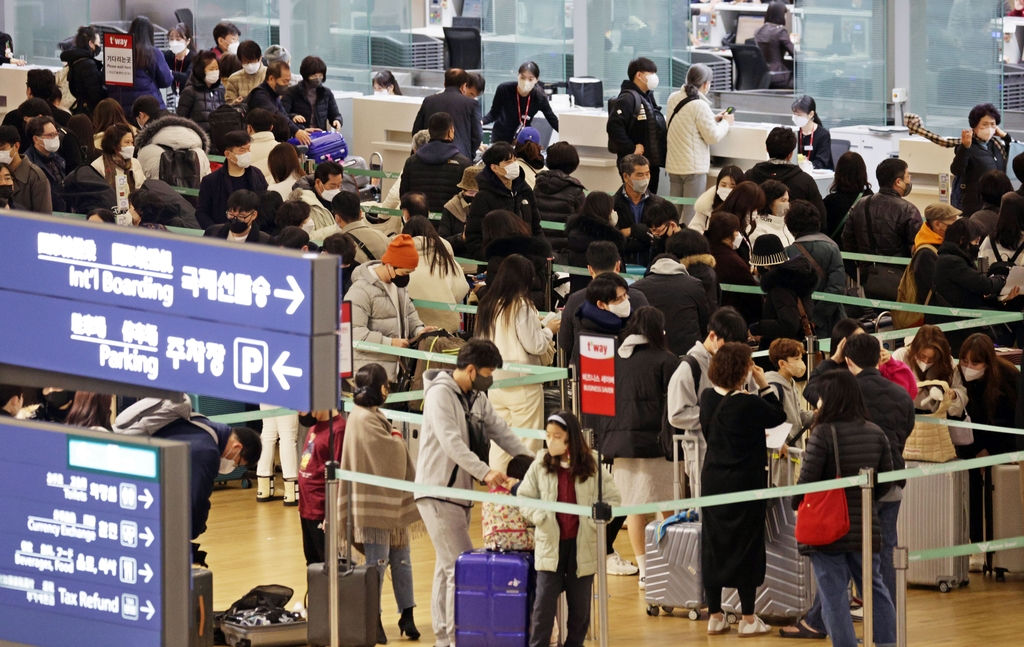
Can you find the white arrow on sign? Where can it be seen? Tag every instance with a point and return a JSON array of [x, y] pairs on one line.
[[295, 294], [146, 497], [281, 371], [147, 536], [148, 609], [146, 572]]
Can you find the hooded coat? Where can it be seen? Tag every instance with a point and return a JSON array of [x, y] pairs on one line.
[[702, 268], [559, 198], [177, 133], [380, 313], [831, 279], [681, 298], [801, 185], [536, 250], [435, 169], [783, 285]]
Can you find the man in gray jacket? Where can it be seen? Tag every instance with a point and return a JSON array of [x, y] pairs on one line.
[[452, 455]]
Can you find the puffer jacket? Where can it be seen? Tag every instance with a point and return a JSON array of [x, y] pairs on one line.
[[642, 376], [198, 100], [894, 221], [783, 285], [831, 279], [305, 190], [238, 86], [958, 284], [690, 135], [296, 103], [579, 233], [861, 445], [494, 195], [85, 78], [702, 268], [681, 298], [175, 132], [435, 170], [378, 318], [559, 197], [542, 484]]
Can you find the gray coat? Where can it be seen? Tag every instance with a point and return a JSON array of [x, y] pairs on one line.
[[832, 279], [378, 318]]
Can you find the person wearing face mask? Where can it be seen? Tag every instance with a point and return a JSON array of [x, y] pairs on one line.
[[241, 226], [711, 200], [928, 356], [45, 144], [773, 40], [605, 311], [12, 400], [179, 55], [787, 356], [724, 238], [371, 244], [118, 159], [310, 102], [983, 147], [226, 35], [502, 187], [7, 189], [452, 225], [452, 454], [85, 72], [295, 213], [267, 95], [780, 145], [203, 92], [635, 203], [318, 190], [237, 174], [31, 188], [812, 138], [147, 109], [54, 405], [516, 103], [436, 168], [636, 125], [771, 219], [385, 84], [238, 86]]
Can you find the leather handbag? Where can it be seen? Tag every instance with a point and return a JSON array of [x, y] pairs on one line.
[[823, 517], [930, 442]]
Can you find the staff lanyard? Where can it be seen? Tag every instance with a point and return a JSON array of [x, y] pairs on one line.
[[523, 118], [811, 142]]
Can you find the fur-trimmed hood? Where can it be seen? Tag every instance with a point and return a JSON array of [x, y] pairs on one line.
[[698, 259], [173, 131]]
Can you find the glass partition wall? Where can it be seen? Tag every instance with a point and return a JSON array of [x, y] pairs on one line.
[[38, 27]]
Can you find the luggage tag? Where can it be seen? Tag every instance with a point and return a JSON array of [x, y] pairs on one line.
[[121, 187]]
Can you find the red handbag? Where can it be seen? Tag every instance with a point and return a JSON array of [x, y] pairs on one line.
[[823, 517]]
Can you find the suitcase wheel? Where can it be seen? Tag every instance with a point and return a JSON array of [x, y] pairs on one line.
[[246, 483], [732, 618], [944, 587], [653, 610], [694, 615], [668, 610]]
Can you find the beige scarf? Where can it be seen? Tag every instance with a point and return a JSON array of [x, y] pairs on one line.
[[380, 515]]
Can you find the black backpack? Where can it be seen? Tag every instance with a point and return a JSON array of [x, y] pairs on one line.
[[223, 120], [83, 189], [179, 167]]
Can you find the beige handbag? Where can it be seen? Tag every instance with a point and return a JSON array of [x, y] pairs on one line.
[[930, 441]]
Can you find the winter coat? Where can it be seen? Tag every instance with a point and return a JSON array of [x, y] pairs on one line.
[[690, 135], [198, 100], [435, 170], [453, 222], [791, 399], [681, 298], [775, 43], [148, 81], [559, 197], [182, 208], [590, 319], [635, 122], [85, 79], [702, 268], [435, 286], [580, 232], [642, 376], [223, 230], [800, 184], [138, 177], [238, 86], [837, 205], [217, 187], [861, 445], [733, 270], [923, 401], [783, 285], [521, 340], [374, 241], [536, 250], [305, 190], [445, 458], [464, 111], [264, 96], [970, 163], [567, 333], [494, 195], [638, 243], [541, 484], [508, 105], [831, 279], [296, 103], [262, 143], [380, 313], [176, 133], [760, 225], [958, 284], [894, 221], [999, 253]]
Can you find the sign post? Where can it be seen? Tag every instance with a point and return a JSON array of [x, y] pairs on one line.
[[118, 59]]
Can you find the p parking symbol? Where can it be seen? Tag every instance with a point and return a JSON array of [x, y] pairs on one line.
[[252, 365]]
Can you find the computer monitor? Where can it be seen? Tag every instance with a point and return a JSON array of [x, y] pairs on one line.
[[466, 22], [472, 9], [817, 35], [746, 27]]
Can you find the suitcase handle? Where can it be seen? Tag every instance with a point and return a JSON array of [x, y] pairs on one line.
[[202, 615]]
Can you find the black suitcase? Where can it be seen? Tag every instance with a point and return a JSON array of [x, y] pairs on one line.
[[201, 609]]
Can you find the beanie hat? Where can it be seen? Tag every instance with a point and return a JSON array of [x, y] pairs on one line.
[[401, 253], [768, 251]]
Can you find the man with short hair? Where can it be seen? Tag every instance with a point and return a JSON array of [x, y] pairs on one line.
[[69, 150], [260, 125], [319, 190], [238, 86], [464, 111], [241, 226], [226, 35], [636, 125], [236, 174], [31, 188], [435, 169], [12, 400], [450, 457], [475, 85], [45, 144], [60, 115], [146, 109], [370, 242], [635, 204], [781, 145], [414, 204], [267, 95]]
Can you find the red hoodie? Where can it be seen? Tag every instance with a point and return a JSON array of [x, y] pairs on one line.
[[315, 454]]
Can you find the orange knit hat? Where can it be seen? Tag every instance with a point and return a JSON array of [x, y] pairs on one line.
[[401, 253]]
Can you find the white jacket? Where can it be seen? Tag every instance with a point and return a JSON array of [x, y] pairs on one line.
[[434, 286], [690, 137], [262, 144], [769, 225], [1004, 254], [702, 210], [176, 137], [521, 340], [137, 173]]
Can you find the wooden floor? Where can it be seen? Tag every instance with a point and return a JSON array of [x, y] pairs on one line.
[[251, 544]]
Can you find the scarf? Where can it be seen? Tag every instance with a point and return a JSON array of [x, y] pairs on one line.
[[602, 318], [380, 515], [110, 166]]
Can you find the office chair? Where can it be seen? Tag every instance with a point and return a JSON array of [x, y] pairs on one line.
[[586, 91], [752, 71], [839, 146], [464, 47], [185, 16]]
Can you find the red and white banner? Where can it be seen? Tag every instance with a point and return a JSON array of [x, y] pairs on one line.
[[597, 375], [345, 341], [118, 59]]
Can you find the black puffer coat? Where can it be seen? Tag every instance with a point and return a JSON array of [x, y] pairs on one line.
[[783, 285], [198, 100], [494, 195], [436, 171], [956, 283], [296, 102], [861, 445], [580, 232], [536, 250], [85, 79], [559, 197], [681, 298]]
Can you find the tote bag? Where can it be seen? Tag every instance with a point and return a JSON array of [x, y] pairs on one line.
[[930, 441], [823, 517]]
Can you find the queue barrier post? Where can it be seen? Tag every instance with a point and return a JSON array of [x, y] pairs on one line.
[[867, 505], [562, 393], [331, 518], [549, 273], [811, 343], [901, 560]]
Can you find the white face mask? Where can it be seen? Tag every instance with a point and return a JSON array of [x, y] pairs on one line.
[[640, 186], [620, 309], [750, 376], [243, 160], [127, 152], [527, 86], [176, 46], [924, 366], [52, 145], [233, 48], [723, 192], [380, 92], [797, 368], [512, 171], [971, 374], [5, 157], [557, 447], [780, 210], [614, 219], [212, 77], [652, 81], [307, 226], [986, 134], [251, 68], [226, 466], [329, 194], [800, 121], [737, 240]]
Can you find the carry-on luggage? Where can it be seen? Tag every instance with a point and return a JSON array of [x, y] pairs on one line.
[[260, 619], [493, 598], [1007, 518], [285, 634], [324, 146], [934, 514], [673, 569], [201, 609]]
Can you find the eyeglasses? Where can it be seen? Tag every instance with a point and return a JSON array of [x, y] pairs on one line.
[[232, 215], [49, 136]]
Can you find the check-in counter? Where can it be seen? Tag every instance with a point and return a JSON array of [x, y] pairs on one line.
[[12, 84], [927, 162], [586, 129], [384, 125]]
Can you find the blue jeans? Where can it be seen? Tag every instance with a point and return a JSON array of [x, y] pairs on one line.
[[888, 512], [833, 573], [401, 571]]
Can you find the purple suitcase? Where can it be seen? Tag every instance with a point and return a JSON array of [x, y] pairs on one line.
[[493, 598], [325, 147]]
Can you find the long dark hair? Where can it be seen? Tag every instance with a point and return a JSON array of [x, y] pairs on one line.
[[502, 224], [1010, 226], [442, 262], [581, 462], [806, 104], [369, 380], [504, 296], [1000, 375], [773, 190], [384, 78], [729, 170], [649, 322], [843, 329], [775, 13], [841, 399], [141, 30], [851, 174], [598, 205], [745, 200], [90, 410]]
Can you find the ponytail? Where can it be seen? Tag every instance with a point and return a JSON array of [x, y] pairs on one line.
[[696, 77]]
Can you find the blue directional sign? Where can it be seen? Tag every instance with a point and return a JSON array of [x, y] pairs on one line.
[[94, 543]]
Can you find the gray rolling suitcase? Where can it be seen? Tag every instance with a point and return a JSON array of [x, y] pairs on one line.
[[673, 569], [201, 611], [291, 634], [934, 514], [1007, 518]]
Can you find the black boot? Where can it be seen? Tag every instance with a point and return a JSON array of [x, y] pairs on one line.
[[407, 626]]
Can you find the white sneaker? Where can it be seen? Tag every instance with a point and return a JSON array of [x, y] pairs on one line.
[[718, 626], [642, 583], [755, 628], [977, 562], [619, 566]]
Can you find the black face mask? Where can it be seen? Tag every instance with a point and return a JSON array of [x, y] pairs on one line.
[[307, 419], [400, 281], [481, 383], [973, 251], [59, 399], [237, 226], [468, 199], [6, 191]]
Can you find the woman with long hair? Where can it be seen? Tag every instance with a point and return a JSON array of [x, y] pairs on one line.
[[516, 103], [849, 185], [929, 357], [813, 140], [505, 234], [774, 41], [91, 410], [724, 240], [384, 82], [596, 222], [108, 113], [151, 70], [992, 186], [118, 159], [285, 169], [82, 128], [746, 201], [711, 200], [1008, 239], [437, 277], [506, 316], [842, 429]]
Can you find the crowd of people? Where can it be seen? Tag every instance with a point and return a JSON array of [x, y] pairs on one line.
[[684, 337]]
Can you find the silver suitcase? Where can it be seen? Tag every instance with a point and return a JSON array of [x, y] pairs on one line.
[[934, 514], [281, 635], [1007, 518], [673, 569]]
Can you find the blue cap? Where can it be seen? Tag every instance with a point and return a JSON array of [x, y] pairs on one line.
[[528, 134]]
